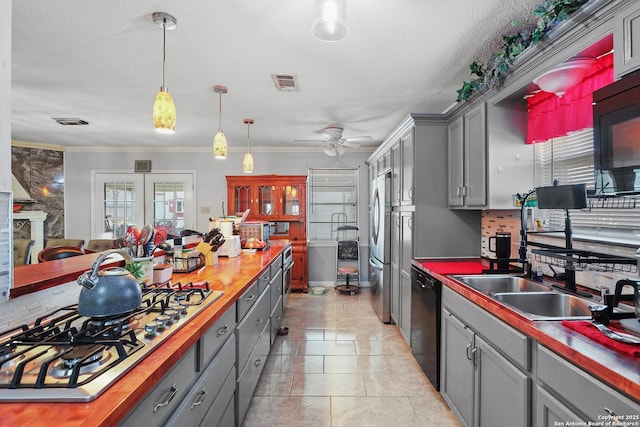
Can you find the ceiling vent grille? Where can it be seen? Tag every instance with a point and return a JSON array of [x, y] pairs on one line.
[[285, 82], [66, 121]]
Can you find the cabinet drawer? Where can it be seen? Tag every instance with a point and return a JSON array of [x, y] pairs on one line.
[[216, 336], [276, 319], [276, 288], [194, 408], [582, 391], [247, 299], [276, 265], [264, 280], [249, 377], [513, 344], [251, 327], [172, 389], [224, 404]]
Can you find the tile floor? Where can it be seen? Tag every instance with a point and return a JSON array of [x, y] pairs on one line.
[[340, 366]]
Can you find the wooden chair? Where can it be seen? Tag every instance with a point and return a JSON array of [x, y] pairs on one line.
[[58, 252], [77, 243], [22, 251]]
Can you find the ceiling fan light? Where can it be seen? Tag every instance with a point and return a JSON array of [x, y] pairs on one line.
[[330, 25], [220, 145], [164, 112], [247, 162]]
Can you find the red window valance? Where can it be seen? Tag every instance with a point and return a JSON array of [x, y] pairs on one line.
[[551, 116]]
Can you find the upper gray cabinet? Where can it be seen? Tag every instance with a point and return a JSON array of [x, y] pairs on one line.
[[488, 159], [626, 40]]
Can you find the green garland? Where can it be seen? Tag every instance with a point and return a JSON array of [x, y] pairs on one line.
[[549, 14]]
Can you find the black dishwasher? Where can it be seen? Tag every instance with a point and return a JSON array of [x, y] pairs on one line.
[[426, 294]]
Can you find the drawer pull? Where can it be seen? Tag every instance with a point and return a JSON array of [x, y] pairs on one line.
[[260, 320], [198, 402], [609, 411], [250, 297], [468, 350], [172, 392], [258, 362], [223, 331]]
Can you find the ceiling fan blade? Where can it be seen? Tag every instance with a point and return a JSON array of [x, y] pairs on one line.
[[316, 141], [347, 143], [358, 139]]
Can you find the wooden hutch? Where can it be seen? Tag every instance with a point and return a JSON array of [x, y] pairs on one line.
[[280, 200]]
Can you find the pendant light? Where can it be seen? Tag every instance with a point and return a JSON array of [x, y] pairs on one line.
[[330, 25], [220, 141], [164, 111], [247, 161]]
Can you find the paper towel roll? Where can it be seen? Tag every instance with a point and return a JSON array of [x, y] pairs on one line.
[[226, 228]]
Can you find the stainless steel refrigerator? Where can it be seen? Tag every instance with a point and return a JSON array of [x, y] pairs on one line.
[[379, 244]]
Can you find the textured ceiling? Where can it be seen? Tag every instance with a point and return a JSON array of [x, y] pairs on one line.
[[101, 61]]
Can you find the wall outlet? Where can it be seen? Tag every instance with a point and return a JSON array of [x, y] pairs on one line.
[[205, 210]]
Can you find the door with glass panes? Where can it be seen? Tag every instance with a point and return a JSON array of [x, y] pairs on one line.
[[127, 200]]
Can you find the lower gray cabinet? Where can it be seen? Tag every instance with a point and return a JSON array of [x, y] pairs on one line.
[[248, 378], [163, 400], [457, 380], [576, 392], [480, 384], [550, 412], [204, 393]]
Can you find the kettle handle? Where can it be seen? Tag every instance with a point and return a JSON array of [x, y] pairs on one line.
[[89, 279]]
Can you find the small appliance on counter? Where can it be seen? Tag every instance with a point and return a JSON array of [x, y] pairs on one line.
[[231, 247]]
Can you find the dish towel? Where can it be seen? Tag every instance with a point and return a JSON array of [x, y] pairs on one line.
[[587, 329], [454, 267]]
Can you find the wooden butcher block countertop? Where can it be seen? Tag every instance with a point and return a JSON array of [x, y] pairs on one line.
[[231, 275]]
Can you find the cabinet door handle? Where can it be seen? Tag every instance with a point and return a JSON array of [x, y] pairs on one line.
[[259, 320], [474, 353], [258, 362], [411, 193], [609, 411], [172, 392], [198, 402], [223, 331], [468, 351]]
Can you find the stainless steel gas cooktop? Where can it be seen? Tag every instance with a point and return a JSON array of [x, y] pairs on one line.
[[66, 357]]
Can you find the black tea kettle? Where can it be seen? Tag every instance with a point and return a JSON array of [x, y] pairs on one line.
[[109, 292]]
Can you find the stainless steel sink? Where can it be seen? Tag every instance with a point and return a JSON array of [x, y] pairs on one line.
[[492, 284], [546, 305]]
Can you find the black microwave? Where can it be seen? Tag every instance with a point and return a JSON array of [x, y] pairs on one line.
[[616, 136]]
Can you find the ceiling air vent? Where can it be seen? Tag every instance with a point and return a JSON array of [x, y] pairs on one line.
[[66, 121], [285, 82]]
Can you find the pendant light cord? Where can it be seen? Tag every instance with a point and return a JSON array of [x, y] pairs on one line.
[[164, 46], [220, 113], [248, 146]]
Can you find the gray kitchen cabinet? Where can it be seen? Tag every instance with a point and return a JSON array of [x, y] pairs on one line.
[[406, 255], [457, 379], [467, 159], [250, 328], [396, 174], [484, 370], [550, 412], [208, 388], [488, 159], [248, 378], [394, 279], [576, 392], [626, 40], [406, 172], [456, 163]]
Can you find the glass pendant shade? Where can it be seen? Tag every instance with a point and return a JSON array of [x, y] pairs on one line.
[[247, 162], [164, 112], [329, 24], [220, 145]]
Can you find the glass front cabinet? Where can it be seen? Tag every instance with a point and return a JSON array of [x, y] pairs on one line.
[[280, 200]]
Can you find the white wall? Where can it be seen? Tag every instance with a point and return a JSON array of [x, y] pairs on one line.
[[211, 189], [5, 95]]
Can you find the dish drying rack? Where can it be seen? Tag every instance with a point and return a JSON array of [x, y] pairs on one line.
[[580, 260]]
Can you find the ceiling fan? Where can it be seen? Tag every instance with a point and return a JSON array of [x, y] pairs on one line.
[[334, 143]]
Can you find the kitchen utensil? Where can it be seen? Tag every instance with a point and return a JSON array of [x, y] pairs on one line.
[[618, 336], [599, 313], [502, 248], [159, 236], [109, 292], [143, 239]]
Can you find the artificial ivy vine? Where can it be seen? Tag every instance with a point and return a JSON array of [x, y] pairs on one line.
[[548, 14]]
